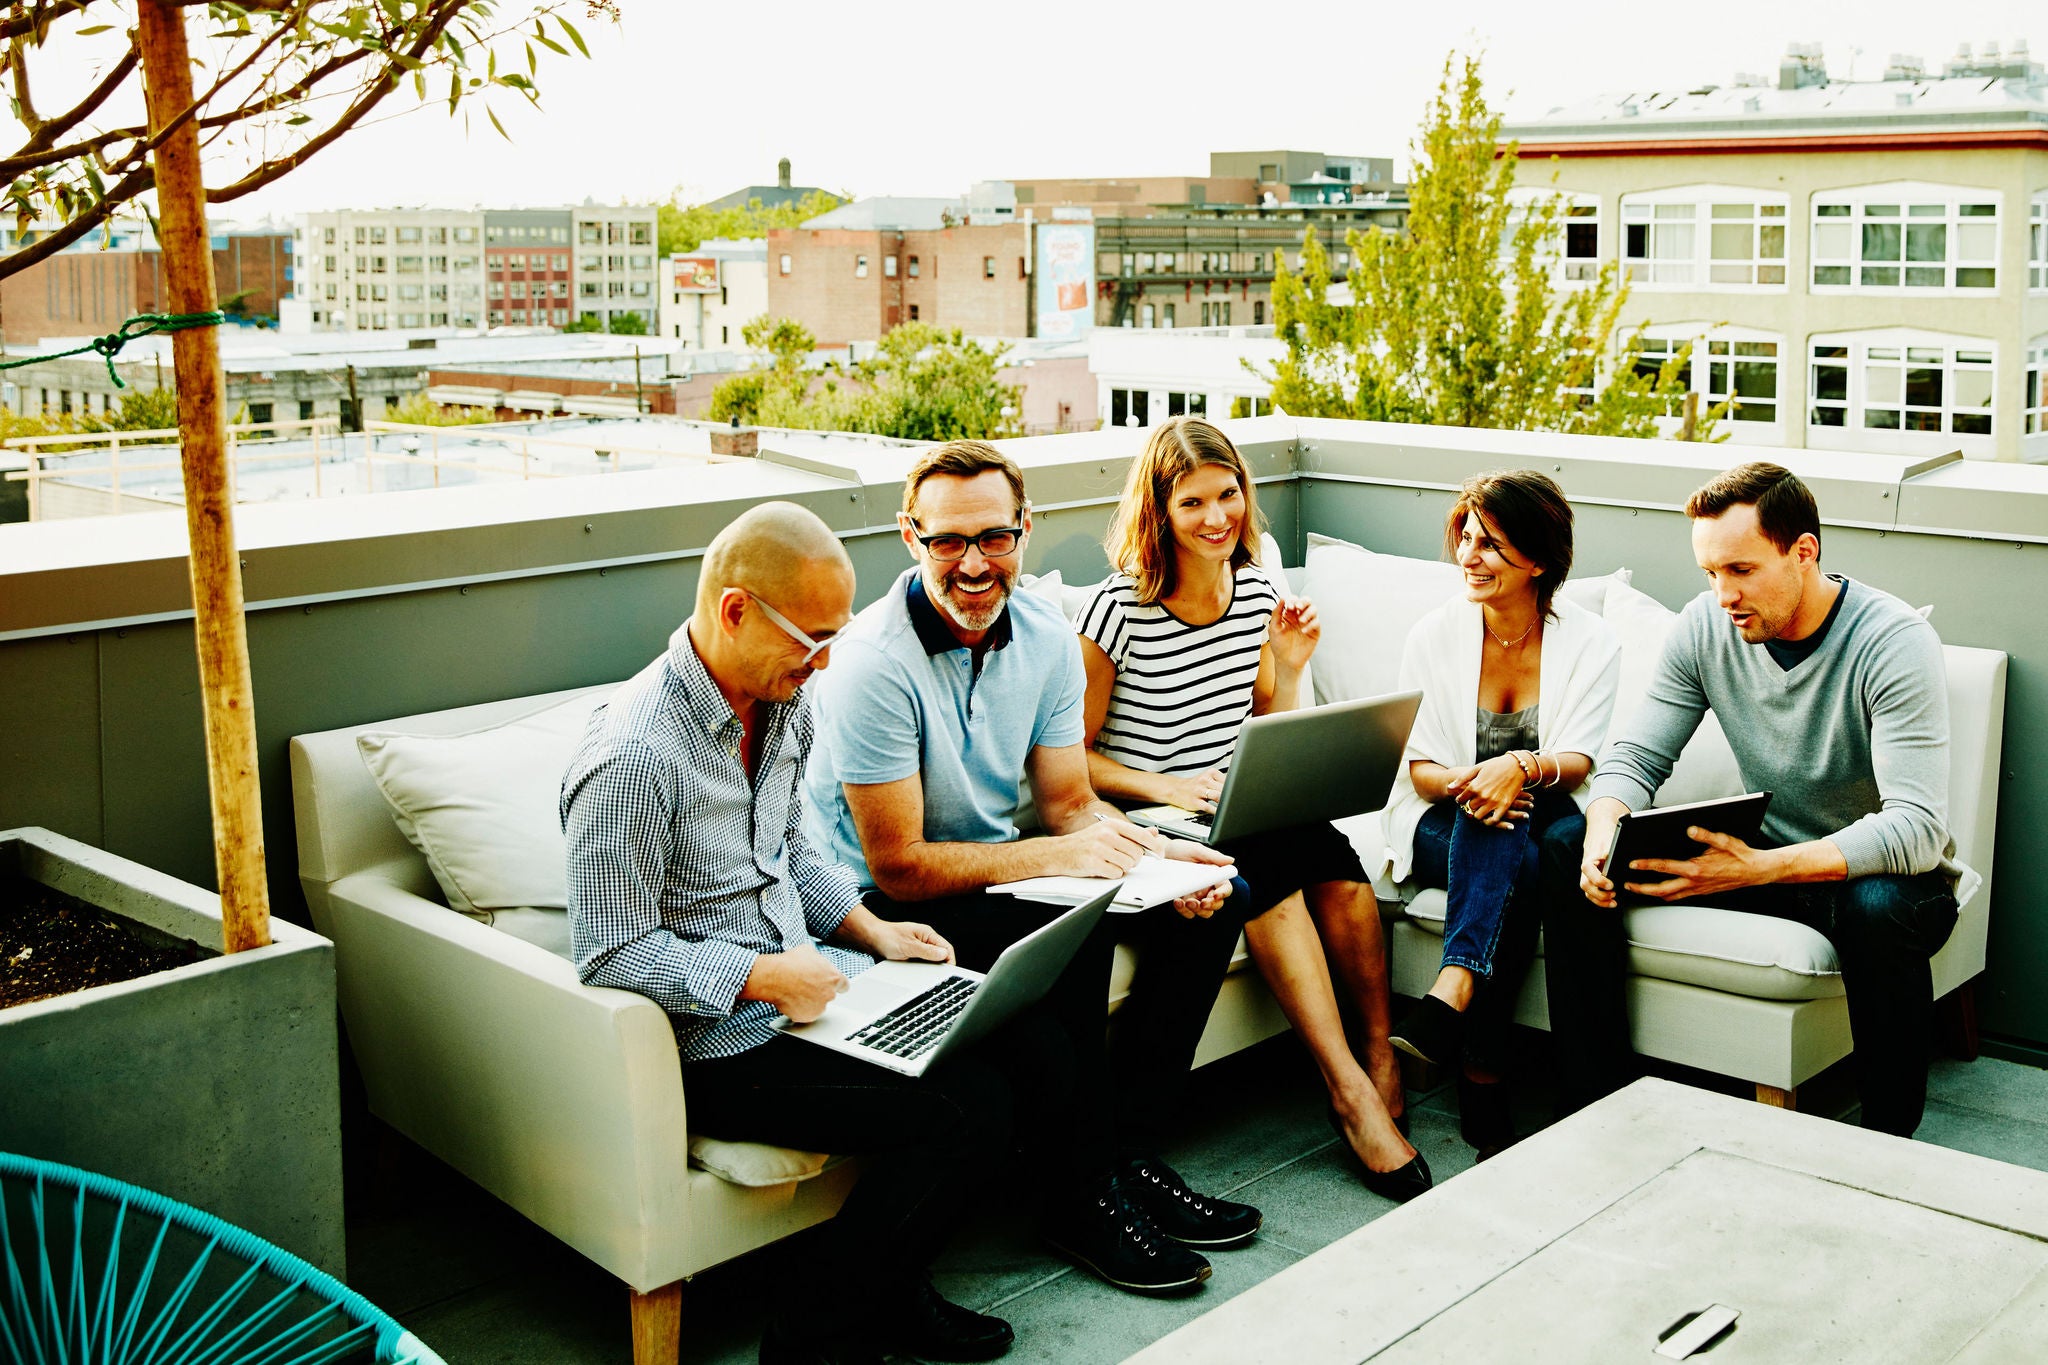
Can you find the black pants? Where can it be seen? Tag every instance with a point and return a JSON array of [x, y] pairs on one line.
[[924, 1140], [1885, 930], [1085, 1103]]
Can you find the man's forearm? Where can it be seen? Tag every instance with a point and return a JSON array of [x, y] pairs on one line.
[[1815, 861], [926, 871]]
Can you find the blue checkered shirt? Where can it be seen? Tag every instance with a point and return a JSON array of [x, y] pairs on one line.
[[681, 869]]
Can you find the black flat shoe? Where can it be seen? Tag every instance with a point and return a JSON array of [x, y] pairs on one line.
[[1401, 1184], [1431, 1032]]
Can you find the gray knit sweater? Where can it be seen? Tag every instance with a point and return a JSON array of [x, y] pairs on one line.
[[1853, 741]]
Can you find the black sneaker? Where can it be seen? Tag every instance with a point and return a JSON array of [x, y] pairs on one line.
[[1197, 1220], [928, 1326], [1110, 1233]]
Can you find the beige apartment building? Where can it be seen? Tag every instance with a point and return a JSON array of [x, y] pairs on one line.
[[1860, 266], [378, 270]]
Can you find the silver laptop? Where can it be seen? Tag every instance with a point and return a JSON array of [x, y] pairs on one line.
[[907, 1016], [1297, 767]]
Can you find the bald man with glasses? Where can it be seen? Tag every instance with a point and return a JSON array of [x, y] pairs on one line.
[[690, 882]]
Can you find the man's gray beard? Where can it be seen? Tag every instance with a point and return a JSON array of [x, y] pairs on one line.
[[975, 618]]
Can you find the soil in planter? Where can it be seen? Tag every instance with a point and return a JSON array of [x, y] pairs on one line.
[[53, 944]]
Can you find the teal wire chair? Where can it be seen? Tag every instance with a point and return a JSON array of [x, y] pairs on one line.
[[99, 1272]]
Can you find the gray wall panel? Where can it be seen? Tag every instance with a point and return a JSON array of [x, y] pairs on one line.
[[50, 743]]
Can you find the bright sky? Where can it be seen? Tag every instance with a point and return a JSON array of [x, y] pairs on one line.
[[925, 97]]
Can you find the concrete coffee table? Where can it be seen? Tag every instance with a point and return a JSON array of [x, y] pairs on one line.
[[1594, 1239]]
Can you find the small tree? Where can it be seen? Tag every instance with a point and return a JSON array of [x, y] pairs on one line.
[[628, 325], [681, 227], [418, 410], [923, 384], [1457, 322]]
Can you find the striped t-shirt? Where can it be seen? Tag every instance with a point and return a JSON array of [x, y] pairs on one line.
[[1181, 691]]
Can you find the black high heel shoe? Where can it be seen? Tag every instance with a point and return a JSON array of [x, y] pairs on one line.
[[1401, 1184], [1485, 1116]]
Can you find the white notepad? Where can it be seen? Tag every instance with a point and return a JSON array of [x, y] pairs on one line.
[[1154, 881]]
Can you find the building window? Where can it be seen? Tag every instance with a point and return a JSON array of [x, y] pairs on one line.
[[860, 267], [260, 412], [643, 234], [558, 261], [1571, 250], [590, 234], [1144, 263], [888, 267], [464, 264], [913, 267], [1147, 316], [1700, 237], [519, 289], [305, 409], [913, 312], [380, 293], [2037, 244], [1906, 237], [615, 289], [590, 264], [437, 236], [1166, 262], [408, 236], [1258, 312], [465, 234], [1023, 268], [327, 239], [411, 293], [409, 319], [495, 289], [411, 265], [1888, 383], [1739, 369], [988, 267], [376, 236], [1127, 264], [515, 262], [494, 234], [641, 262], [784, 264], [615, 263], [1167, 320], [2036, 405]]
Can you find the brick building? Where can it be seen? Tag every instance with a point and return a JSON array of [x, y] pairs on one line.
[[526, 267], [89, 292], [858, 271]]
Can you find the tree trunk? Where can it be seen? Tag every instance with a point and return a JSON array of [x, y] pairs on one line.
[[209, 501]]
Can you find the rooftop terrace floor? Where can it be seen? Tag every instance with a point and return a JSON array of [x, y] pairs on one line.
[[480, 1284]]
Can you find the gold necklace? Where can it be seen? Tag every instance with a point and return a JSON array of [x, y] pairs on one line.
[[1510, 644]]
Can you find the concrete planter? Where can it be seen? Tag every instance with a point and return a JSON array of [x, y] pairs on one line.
[[216, 1083]]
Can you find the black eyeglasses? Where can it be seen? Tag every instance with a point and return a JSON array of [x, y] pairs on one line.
[[1002, 540]]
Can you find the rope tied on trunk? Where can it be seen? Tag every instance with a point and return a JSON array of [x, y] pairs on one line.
[[109, 346]]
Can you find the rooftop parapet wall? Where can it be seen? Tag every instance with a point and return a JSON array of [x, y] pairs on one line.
[[367, 608]]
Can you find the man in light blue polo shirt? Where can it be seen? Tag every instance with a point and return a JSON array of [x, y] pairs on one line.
[[942, 697]]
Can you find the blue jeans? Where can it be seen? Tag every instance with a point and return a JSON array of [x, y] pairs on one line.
[[1490, 879]]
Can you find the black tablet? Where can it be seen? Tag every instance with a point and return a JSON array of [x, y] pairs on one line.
[[1660, 832]]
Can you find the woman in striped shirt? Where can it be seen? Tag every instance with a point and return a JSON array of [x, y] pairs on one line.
[[1184, 642]]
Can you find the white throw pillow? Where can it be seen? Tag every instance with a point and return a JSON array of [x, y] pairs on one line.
[[757, 1165], [482, 805], [1706, 767], [1368, 602], [1591, 593]]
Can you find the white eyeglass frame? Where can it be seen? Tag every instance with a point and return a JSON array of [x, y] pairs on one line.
[[812, 648]]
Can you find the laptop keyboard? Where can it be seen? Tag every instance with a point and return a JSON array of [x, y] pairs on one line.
[[915, 1027]]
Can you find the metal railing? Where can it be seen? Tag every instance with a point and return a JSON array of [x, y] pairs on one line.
[[155, 441]]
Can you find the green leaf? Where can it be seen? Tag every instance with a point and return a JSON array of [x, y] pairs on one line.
[[454, 92], [96, 28], [495, 124], [574, 36], [296, 119]]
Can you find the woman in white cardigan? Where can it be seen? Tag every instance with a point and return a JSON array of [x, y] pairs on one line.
[[1518, 687]]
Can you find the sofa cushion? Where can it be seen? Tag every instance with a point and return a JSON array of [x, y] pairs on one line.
[[1591, 593], [757, 1165], [1367, 602], [1706, 767], [1699, 945], [539, 925], [482, 805]]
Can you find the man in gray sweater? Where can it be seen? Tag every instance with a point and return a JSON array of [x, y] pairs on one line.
[[1833, 697]]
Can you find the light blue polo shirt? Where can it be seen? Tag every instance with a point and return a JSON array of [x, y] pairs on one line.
[[902, 696]]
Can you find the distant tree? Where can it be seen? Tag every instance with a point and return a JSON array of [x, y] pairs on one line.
[[922, 384], [1457, 321], [418, 410], [281, 81], [683, 227], [628, 325], [586, 322]]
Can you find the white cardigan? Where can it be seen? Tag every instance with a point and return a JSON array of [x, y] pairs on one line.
[[1581, 672]]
